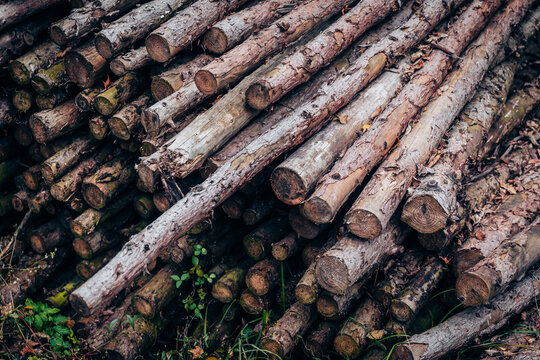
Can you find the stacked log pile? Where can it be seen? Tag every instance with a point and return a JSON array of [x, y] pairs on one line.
[[354, 178]]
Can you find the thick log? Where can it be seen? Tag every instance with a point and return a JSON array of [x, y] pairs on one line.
[[132, 341], [501, 222], [23, 100], [43, 201], [85, 99], [434, 200], [430, 316], [303, 226], [281, 338], [157, 292], [255, 304], [295, 177], [58, 164], [185, 27], [260, 209], [319, 339], [380, 198], [98, 127], [16, 11], [228, 287], [355, 334], [48, 125], [350, 259], [32, 177], [111, 178], [130, 61], [99, 240], [234, 206], [144, 206], [23, 68], [297, 68], [287, 247], [334, 307], [48, 236], [398, 277], [231, 66], [52, 99], [87, 268], [257, 243], [364, 154], [86, 19], [20, 201], [176, 75], [52, 77], [263, 276], [127, 119], [84, 65], [473, 322], [494, 273], [133, 26], [162, 202], [418, 292], [118, 93], [235, 28]]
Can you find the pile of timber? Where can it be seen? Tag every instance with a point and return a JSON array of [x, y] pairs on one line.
[[364, 174]]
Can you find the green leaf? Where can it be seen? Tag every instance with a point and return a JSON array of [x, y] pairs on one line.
[[195, 260], [59, 319], [113, 324], [175, 277], [38, 322], [204, 251], [192, 306], [185, 276]]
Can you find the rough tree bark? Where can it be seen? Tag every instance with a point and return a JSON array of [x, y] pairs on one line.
[[130, 61], [49, 78], [48, 125], [257, 244], [118, 93], [99, 240], [471, 323], [228, 287], [17, 10], [98, 127], [23, 68], [84, 65], [378, 201], [334, 307], [319, 339], [126, 120], [52, 99], [157, 292], [186, 26]]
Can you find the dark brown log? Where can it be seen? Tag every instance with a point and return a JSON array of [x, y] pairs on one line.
[[132, 60], [374, 207], [287, 247], [7, 114], [99, 127], [434, 200], [348, 172], [494, 273], [303, 226], [15, 11], [8, 169], [350, 259], [459, 329], [132, 341], [176, 75], [398, 277], [96, 242], [32, 177], [334, 307], [20, 201], [161, 201], [355, 334], [87, 268], [246, 56], [263, 276], [127, 119], [52, 99], [111, 178], [118, 93], [260, 209], [187, 25], [411, 300], [23, 68], [48, 236], [157, 292], [297, 68], [49, 78], [84, 65], [85, 19], [281, 338], [23, 134], [144, 206], [430, 316], [319, 339], [133, 26], [257, 243], [236, 27], [501, 222], [43, 201], [48, 125], [23, 100], [234, 206], [228, 287], [255, 304], [85, 99]]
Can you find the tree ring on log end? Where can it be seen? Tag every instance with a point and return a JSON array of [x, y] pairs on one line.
[[79, 305], [258, 284], [38, 129], [258, 96], [424, 214], [401, 311], [215, 41], [158, 48], [363, 224], [82, 248], [222, 292], [206, 82], [332, 274], [327, 307], [346, 346], [317, 210], [57, 35], [119, 128], [466, 259], [472, 289], [160, 88], [274, 349], [79, 70], [288, 186], [305, 294], [103, 46], [143, 306], [36, 243], [19, 72], [94, 196]]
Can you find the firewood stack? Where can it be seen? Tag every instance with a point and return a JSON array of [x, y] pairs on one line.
[[342, 164]]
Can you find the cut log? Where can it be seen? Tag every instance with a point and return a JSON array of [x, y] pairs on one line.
[[186, 26], [260, 209], [7, 115], [434, 200], [98, 127], [411, 300], [52, 77], [48, 236], [474, 322], [295, 177], [23, 68], [350, 259], [132, 341], [23, 100], [59, 296], [355, 334], [235, 28], [334, 307], [287, 247], [52, 99], [347, 173], [43, 201], [281, 338], [303, 226], [85, 99], [494, 273], [18, 10], [99, 240], [133, 26], [48, 125], [234, 206], [84, 65], [132, 60], [263, 276], [254, 304], [118, 93], [32, 176], [380, 198], [86, 19], [157, 292], [297, 68], [228, 287], [20, 201], [161, 201], [501, 222], [319, 339], [144, 206], [127, 119], [176, 75], [257, 243], [87, 268], [108, 181]]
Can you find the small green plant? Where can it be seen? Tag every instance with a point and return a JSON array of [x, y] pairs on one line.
[[129, 320]]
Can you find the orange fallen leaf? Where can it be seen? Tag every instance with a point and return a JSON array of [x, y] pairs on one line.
[[107, 82], [197, 352], [345, 9], [480, 235], [512, 190]]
